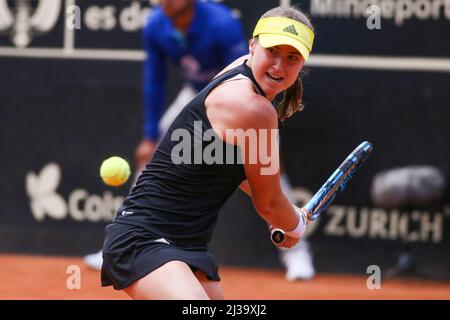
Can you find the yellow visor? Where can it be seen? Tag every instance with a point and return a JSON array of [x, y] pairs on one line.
[[275, 31]]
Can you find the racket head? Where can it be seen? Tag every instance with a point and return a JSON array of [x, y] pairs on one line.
[[335, 184], [338, 180]]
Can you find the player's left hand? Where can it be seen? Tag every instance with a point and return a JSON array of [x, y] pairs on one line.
[[288, 242]]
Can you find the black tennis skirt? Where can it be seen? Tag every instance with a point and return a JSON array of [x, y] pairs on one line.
[[131, 252]]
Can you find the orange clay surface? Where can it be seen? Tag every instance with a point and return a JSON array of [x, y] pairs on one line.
[[38, 277]]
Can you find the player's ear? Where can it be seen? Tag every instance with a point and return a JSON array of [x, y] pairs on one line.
[[251, 45]]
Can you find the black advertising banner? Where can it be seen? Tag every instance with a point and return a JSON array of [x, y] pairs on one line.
[[382, 27], [366, 27], [70, 96]]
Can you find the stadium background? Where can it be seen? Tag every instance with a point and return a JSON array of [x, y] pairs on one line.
[[63, 112]]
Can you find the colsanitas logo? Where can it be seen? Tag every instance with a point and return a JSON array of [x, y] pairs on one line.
[[22, 21], [81, 206], [25, 19]]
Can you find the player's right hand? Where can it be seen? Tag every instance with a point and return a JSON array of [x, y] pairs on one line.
[[307, 215], [144, 152]]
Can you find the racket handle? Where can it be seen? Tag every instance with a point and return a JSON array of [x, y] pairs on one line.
[[277, 236]]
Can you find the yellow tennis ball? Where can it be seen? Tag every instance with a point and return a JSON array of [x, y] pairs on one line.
[[115, 171]]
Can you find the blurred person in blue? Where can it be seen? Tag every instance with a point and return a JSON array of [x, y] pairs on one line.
[[200, 38]]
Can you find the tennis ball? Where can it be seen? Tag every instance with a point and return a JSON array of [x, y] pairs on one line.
[[115, 171]]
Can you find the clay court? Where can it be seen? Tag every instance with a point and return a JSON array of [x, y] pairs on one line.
[[45, 278], [82, 81]]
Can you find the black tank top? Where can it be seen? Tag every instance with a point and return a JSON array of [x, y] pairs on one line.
[[180, 201]]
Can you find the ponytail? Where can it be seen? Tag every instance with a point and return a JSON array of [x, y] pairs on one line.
[[292, 100]]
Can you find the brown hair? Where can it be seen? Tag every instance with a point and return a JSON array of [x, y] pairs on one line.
[[292, 96]]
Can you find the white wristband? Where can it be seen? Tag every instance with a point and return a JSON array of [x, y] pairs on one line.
[[299, 230]]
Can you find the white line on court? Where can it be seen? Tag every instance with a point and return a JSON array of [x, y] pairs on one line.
[[381, 62], [89, 54], [395, 63]]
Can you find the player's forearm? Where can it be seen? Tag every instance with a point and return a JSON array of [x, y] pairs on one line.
[[279, 212]]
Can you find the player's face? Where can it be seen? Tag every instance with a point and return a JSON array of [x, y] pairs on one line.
[[174, 8], [275, 68]]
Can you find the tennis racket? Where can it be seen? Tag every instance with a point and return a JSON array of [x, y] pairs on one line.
[[335, 184]]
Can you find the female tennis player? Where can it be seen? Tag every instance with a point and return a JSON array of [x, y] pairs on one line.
[[156, 248]]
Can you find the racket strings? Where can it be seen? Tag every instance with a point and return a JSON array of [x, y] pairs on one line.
[[347, 169], [338, 186]]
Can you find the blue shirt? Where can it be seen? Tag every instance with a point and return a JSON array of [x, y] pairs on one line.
[[213, 40]]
